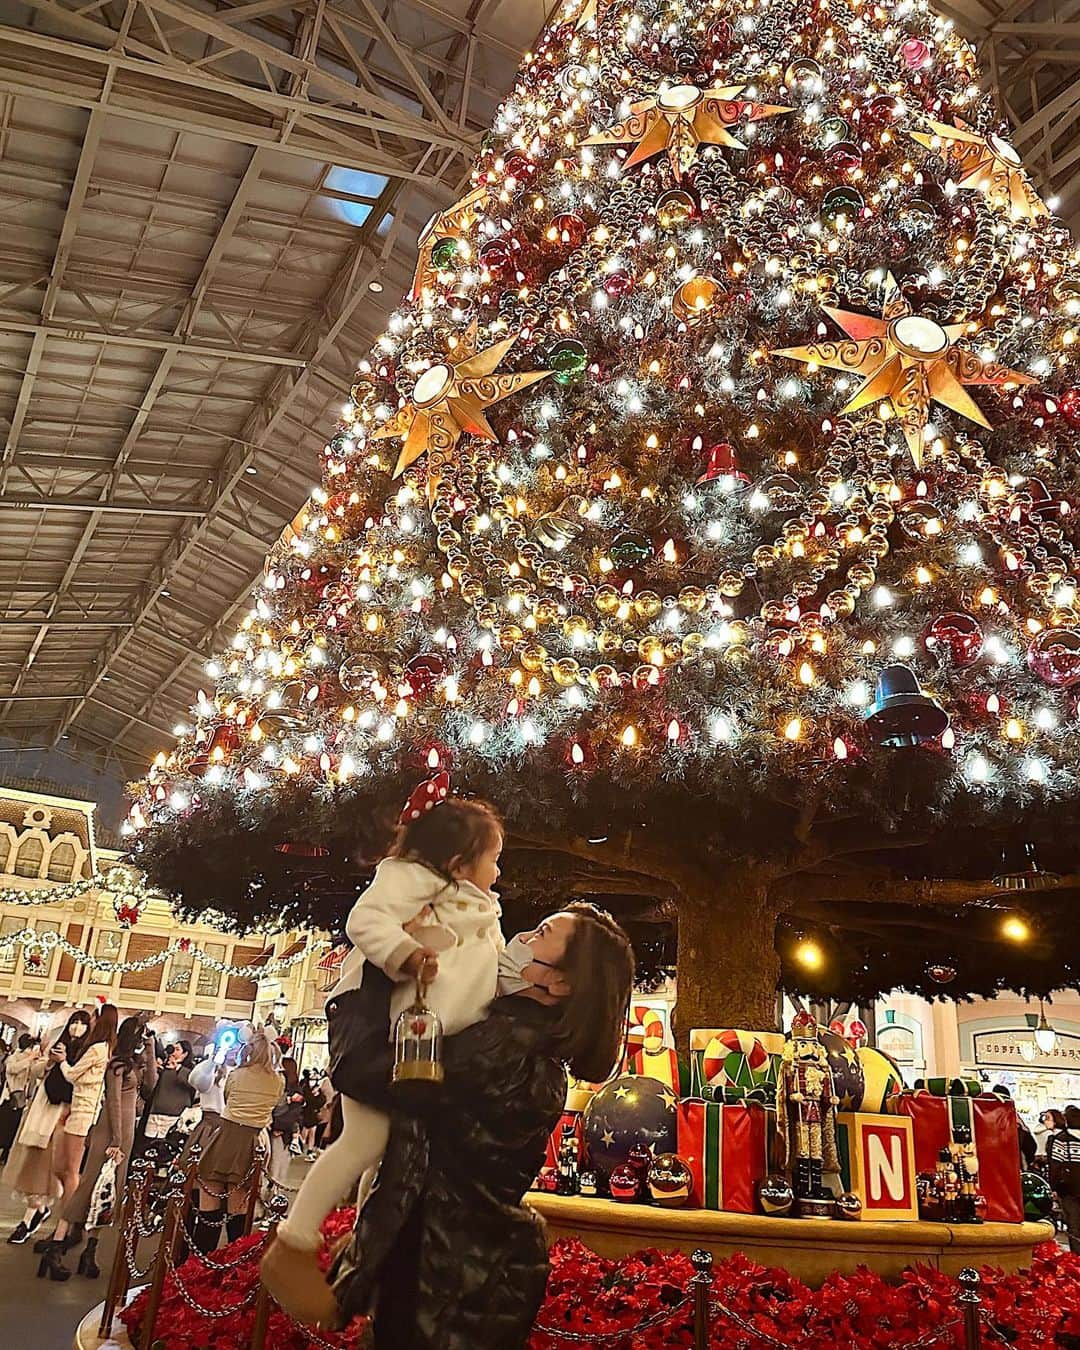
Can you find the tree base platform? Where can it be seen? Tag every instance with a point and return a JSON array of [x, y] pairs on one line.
[[811, 1249], [87, 1336]]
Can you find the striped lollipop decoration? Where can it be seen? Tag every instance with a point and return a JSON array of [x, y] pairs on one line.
[[735, 1058]]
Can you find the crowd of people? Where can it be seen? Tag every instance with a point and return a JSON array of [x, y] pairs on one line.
[[77, 1108]]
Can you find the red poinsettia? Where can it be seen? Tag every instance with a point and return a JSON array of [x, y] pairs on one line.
[[225, 1286]]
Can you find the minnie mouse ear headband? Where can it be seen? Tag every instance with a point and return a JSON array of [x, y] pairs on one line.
[[426, 797]]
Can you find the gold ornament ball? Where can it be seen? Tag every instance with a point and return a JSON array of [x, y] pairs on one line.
[[533, 657], [675, 209], [842, 603], [648, 604], [651, 649], [607, 599], [692, 599], [848, 1205], [576, 626], [695, 298], [566, 672], [607, 641]]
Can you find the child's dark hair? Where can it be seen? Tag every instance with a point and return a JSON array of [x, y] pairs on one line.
[[457, 830]]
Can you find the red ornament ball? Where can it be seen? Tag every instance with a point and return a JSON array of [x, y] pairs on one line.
[[844, 157], [496, 256], [956, 637], [941, 972], [624, 1184], [915, 53], [567, 230], [1055, 657], [423, 672], [1069, 406], [520, 168], [618, 283]]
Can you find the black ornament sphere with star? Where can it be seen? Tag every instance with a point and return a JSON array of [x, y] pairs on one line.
[[628, 1111]]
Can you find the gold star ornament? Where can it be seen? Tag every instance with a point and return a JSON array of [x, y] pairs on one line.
[[679, 119], [909, 360], [449, 225], [448, 401], [988, 164]]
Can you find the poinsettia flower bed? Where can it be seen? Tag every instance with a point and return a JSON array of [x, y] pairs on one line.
[[590, 1295], [232, 1285]]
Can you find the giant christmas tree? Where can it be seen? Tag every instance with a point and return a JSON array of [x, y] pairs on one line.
[[706, 505]]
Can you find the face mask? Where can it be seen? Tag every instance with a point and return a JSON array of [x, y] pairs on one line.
[[78, 1029], [513, 959]]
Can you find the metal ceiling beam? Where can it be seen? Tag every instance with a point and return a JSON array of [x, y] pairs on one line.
[[348, 292], [70, 332], [21, 502]]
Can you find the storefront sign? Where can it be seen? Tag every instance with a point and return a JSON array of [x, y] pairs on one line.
[[1013, 1049]]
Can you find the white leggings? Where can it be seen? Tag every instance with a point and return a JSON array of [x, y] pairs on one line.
[[335, 1174]]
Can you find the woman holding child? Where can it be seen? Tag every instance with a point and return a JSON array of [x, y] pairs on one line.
[[445, 1254]]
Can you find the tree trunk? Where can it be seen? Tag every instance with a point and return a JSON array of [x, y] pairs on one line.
[[728, 967]]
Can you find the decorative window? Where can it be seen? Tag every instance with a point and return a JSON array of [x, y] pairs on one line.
[[29, 857], [181, 966], [210, 979], [62, 862]]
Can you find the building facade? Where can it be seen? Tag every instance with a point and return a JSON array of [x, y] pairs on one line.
[[47, 842]]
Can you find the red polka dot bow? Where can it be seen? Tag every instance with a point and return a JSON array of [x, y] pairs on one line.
[[429, 794]]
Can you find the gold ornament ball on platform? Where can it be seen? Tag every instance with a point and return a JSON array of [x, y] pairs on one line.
[[848, 1205], [669, 1181], [776, 1195], [675, 209]]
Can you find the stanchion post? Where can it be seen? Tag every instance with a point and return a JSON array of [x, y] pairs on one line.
[[701, 1285], [134, 1195], [179, 1193], [971, 1304], [253, 1194], [277, 1207]]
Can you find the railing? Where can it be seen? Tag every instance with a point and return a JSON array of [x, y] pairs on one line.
[[701, 1302], [961, 1332]]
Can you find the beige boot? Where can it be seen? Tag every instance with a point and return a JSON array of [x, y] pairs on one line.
[[294, 1279]]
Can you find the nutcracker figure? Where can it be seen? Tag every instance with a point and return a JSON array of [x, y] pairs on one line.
[[569, 1182], [965, 1161], [806, 1116], [947, 1184]]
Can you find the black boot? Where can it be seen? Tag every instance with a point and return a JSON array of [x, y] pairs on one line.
[[234, 1226], [51, 1265], [88, 1265], [207, 1230], [74, 1237]]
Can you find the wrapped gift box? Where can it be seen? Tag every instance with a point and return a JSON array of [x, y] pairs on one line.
[[728, 1149], [994, 1131], [551, 1153], [662, 1064], [877, 1163], [943, 1087], [728, 1057]]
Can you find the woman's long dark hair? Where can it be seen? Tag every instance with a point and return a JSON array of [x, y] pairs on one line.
[[74, 1045], [292, 1075], [599, 968], [128, 1044], [103, 1029]]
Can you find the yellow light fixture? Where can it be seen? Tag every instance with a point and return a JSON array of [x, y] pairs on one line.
[[1015, 929], [809, 955]]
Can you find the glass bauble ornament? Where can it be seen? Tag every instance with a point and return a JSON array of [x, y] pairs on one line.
[[842, 201], [669, 1181], [720, 35], [630, 549], [1055, 657], [954, 637], [496, 256], [835, 129], [941, 972], [358, 675], [567, 230], [559, 528], [423, 672], [695, 298], [1038, 1197], [914, 53], [568, 360], [626, 1111], [618, 283], [844, 157], [804, 73], [623, 1184], [848, 1205], [1069, 406], [521, 168], [587, 1184], [444, 252], [880, 111], [418, 1066], [775, 1195], [640, 1159], [675, 209], [780, 490]]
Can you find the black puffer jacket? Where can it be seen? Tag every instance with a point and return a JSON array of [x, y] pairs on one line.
[[444, 1247]]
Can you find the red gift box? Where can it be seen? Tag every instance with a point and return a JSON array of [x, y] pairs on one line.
[[727, 1151], [995, 1134], [551, 1153]]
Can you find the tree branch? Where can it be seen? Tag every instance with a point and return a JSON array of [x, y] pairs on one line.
[[922, 891]]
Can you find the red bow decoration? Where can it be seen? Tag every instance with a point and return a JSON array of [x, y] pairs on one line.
[[428, 795]]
